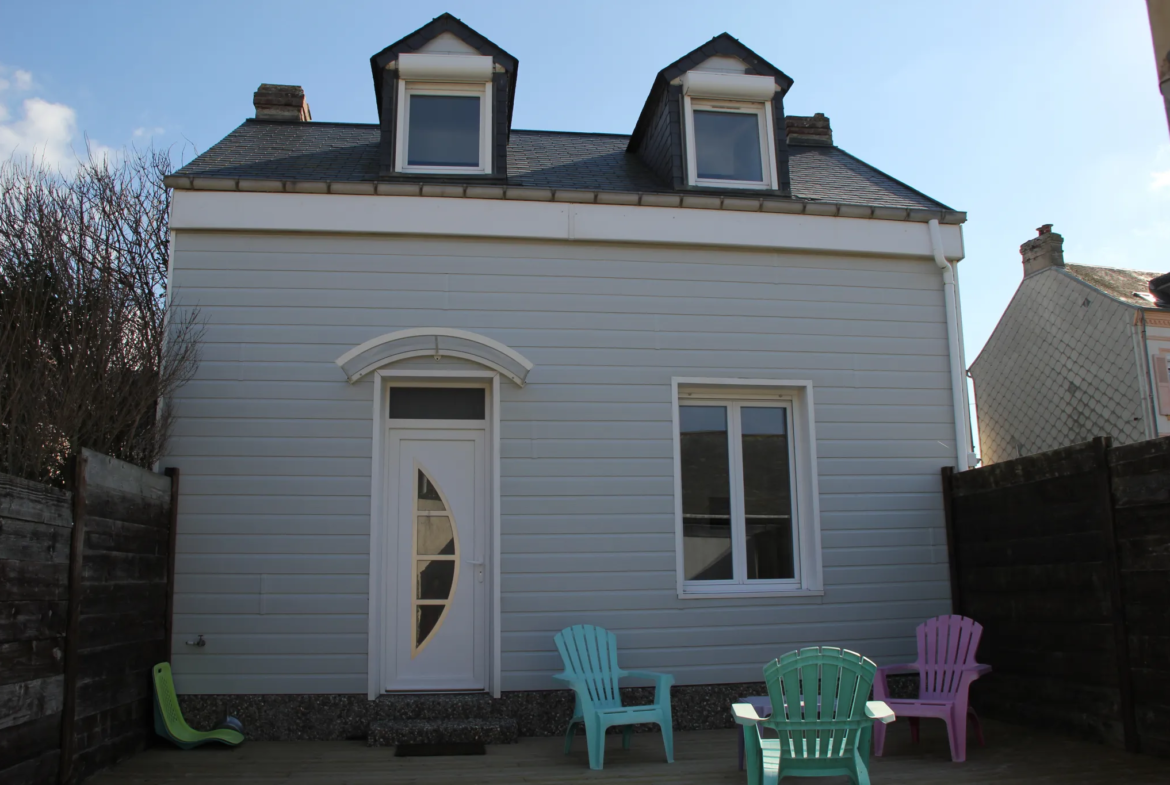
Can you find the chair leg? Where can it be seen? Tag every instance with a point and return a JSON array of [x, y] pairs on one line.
[[570, 733], [595, 736], [627, 734], [914, 729], [753, 756], [879, 738], [865, 741], [978, 725], [860, 773], [957, 735], [667, 726]]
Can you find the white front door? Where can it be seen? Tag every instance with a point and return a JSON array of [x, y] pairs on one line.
[[437, 514]]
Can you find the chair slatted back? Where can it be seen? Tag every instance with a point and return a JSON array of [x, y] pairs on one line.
[[818, 701], [591, 654], [945, 644]]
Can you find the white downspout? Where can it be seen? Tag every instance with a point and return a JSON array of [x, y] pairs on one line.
[[953, 347]]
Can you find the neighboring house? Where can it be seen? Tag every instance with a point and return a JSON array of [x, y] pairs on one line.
[[464, 385], [1080, 352]]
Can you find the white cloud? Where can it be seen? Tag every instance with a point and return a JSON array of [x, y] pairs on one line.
[[146, 133], [44, 131], [14, 78], [1160, 180], [39, 128]]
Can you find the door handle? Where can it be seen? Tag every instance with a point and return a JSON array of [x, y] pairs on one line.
[[478, 565]]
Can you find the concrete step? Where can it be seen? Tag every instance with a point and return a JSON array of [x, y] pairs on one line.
[[434, 706], [473, 730]]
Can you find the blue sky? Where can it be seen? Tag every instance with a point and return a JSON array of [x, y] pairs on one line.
[[1020, 113]]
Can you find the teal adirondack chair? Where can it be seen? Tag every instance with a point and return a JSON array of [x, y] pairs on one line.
[[820, 713], [591, 669]]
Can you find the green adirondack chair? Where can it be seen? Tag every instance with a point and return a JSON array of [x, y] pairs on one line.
[[168, 717], [820, 713], [591, 669]]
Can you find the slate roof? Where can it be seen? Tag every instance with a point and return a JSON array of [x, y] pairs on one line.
[[1115, 282], [348, 152]]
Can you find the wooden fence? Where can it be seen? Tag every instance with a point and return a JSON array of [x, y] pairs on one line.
[[84, 612], [1064, 557]]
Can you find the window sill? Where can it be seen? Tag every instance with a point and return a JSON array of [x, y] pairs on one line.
[[747, 595], [742, 185]]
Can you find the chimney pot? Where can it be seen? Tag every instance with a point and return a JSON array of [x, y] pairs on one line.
[[281, 102], [809, 130], [1043, 251]]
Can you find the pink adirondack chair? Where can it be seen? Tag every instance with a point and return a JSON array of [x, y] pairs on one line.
[[946, 667]]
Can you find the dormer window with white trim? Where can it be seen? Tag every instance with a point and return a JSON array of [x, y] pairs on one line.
[[730, 141], [444, 114]]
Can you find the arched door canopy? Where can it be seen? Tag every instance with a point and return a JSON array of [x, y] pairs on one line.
[[437, 342]]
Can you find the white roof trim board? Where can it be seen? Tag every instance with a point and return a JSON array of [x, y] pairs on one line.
[[436, 342]]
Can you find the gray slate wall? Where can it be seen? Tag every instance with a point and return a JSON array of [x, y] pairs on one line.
[[274, 446], [1060, 369]]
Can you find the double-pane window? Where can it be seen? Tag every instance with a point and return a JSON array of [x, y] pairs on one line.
[[737, 479]]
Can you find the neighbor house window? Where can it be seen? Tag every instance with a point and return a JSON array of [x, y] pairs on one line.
[[745, 485], [444, 128]]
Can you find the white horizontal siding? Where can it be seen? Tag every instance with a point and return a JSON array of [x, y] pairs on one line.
[[274, 446]]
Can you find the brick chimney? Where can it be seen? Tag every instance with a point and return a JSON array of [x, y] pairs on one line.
[[1045, 250], [281, 102], [809, 130]]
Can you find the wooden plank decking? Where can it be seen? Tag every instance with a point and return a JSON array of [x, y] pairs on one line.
[[1013, 756]]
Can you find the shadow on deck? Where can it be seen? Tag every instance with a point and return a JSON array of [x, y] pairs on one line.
[[1013, 755]]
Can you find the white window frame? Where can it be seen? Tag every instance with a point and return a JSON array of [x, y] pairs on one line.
[[763, 111], [483, 91], [797, 397]]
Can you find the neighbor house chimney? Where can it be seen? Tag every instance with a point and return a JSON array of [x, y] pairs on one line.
[[809, 130], [281, 102], [1046, 250]]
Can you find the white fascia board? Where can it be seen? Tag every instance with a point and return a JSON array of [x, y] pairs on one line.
[[420, 215]]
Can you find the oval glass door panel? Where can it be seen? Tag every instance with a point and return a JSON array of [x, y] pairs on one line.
[[436, 561]]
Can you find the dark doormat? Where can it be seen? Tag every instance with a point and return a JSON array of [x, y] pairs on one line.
[[430, 750]]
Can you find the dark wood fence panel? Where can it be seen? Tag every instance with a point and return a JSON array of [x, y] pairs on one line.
[[1031, 570], [35, 525], [1064, 557], [84, 613], [123, 604], [1141, 492]]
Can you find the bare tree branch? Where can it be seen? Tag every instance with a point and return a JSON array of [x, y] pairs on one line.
[[90, 345]]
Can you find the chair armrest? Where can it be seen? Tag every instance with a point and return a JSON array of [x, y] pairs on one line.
[[652, 675], [662, 682], [745, 714], [878, 710]]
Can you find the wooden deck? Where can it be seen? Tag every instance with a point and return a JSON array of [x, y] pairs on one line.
[[1013, 756]]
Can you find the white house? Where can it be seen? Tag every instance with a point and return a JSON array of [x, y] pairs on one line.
[[464, 385]]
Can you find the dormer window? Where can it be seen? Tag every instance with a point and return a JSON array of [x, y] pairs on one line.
[[444, 114], [729, 130], [729, 143]]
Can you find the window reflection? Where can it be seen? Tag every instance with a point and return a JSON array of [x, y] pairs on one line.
[[727, 146], [706, 493], [444, 130], [767, 495]]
